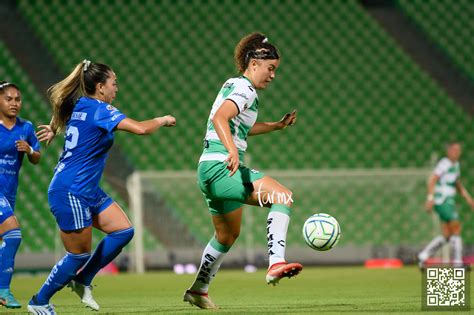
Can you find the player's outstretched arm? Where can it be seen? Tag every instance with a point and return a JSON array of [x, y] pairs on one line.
[[146, 127], [45, 133], [464, 193], [259, 128]]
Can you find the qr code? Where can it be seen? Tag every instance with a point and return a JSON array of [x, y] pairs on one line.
[[446, 287]]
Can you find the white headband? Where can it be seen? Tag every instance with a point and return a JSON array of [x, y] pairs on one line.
[[86, 63], [265, 40]]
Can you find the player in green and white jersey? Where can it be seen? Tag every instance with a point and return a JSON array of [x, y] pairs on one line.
[[443, 185], [224, 180]]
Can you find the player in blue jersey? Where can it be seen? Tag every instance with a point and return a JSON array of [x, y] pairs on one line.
[[82, 108], [17, 139]]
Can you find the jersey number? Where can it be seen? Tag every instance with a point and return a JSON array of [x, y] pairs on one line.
[[70, 144]]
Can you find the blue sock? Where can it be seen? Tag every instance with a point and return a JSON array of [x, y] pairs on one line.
[[106, 251], [11, 242], [60, 275]]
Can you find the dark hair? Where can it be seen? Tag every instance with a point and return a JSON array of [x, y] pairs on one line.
[[80, 82], [451, 143], [6, 84], [256, 46]]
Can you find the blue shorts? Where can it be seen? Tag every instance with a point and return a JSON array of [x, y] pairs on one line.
[[74, 211], [6, 208]]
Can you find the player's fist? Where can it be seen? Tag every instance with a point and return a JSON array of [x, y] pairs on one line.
[[288, 120], [23, 146], [429, 205], [169, 121], [471, 203]]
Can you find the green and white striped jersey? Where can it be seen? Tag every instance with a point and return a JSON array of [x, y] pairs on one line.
[[448, 172], [241, 92]]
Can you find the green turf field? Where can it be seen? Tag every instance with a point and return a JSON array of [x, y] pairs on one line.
[[324, 290]]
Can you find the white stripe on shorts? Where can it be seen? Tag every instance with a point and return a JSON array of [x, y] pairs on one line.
[[74, 210], [80, 217]]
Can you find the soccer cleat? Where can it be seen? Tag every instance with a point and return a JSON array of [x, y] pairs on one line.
[[282, 270], [201, 300], [422, 258], [8, 300], [85, 293], [33, 308]]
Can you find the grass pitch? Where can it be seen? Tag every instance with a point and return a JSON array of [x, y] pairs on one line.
[[317, 290]]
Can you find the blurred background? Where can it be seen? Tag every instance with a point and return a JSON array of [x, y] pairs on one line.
[[380, 87]]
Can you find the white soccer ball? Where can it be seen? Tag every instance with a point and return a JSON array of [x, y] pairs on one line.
[[321, 231]]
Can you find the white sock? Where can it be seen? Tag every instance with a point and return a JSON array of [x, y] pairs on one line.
[[432, 247], [456, 244], [211, 260], [277, 227]]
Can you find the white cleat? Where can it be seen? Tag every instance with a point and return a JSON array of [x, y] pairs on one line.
[[46, 309], [85, 293]]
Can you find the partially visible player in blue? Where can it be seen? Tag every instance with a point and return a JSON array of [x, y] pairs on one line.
[[17, 139], [82, 108]]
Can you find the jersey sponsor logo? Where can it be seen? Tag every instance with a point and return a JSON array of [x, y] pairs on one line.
[[101, 201], [60, 167], [79, 116], [242, 95], [8, 172], [10, 162], [114, 117]]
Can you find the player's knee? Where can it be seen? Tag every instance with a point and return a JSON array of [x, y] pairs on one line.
[[228, 238], [124, 236], [12, 237]]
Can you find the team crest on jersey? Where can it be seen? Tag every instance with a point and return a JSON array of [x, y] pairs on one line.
[[3, 202], [112, 108]]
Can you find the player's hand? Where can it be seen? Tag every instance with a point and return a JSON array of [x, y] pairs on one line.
[[170, 121], [288, 120], [471, 203], [429, 205], [23, 146], [232, 162], [45, 134]]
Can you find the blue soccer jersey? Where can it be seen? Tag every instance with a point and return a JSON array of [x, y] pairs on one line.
[[10, 158], [89, 136]]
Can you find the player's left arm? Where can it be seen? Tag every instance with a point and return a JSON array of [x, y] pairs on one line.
[[33, 156], [265, 127], [464, 193]]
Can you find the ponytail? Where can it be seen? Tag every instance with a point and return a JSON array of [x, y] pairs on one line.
[[80, 82]]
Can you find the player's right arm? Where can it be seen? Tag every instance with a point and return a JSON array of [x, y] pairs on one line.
[[464, 193], [146, 127], [431, 189], [220, 120]]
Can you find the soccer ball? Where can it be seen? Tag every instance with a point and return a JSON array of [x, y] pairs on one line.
[[321, 231]]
